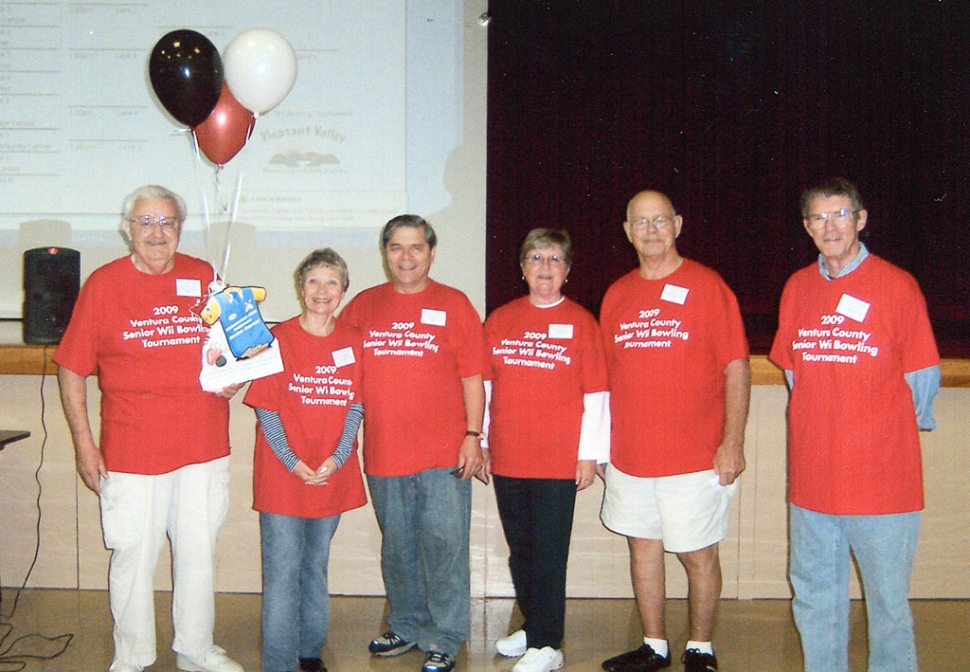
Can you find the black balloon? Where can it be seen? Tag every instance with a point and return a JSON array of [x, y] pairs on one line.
[[186, 73]]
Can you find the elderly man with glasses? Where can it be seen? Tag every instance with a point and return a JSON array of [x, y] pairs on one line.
[[855, 342], [679, 384], [161, 463]]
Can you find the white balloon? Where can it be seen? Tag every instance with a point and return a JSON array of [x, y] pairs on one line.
[[260, 68]]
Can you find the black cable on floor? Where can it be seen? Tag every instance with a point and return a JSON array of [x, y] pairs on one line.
[[13, 657]]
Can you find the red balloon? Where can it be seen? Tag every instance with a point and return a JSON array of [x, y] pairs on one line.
[[226, 130]]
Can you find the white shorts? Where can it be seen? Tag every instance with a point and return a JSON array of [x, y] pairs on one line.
[[688, 511]]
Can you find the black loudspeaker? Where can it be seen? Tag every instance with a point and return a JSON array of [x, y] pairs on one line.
[[52, 279]]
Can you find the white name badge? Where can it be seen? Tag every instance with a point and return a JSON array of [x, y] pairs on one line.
[[560, 331], [188, 287], [674, 294], [852, 307], [435, 317], [343, 357]]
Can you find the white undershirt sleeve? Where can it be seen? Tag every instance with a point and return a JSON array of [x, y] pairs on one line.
[[594, 433], [488, 417]]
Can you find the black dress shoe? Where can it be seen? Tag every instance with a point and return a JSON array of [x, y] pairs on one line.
[[644, 659], [695, 661]]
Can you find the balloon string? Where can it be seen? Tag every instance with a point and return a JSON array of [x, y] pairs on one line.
[[222, 205], [206, 217], [232, 219]]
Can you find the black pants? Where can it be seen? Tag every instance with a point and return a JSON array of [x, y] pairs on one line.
[[537, 517]]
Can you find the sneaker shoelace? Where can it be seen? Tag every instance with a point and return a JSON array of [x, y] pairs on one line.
[[437, 658]]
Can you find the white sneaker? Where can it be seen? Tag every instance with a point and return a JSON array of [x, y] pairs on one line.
[[213, 660], [117, 666], [545, 659], [512, 646]]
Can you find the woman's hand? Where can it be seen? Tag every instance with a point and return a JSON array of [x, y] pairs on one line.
[[318, 477], [229, 391], [585, 473], [303, 471], [322, 475]]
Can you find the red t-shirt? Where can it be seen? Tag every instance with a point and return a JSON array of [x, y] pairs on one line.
[[417, 349], [542, 362], [667, 344], [853, 442], [319, 382], [138, 332]]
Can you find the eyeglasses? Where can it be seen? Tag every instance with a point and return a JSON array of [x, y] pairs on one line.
[[537, 259], [839, 217], [660, 221], [147, 222]]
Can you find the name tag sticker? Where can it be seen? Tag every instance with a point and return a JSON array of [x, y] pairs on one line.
[[852, 307], [674, 294], [343, 357], [435, 317], [188, 287], [560, 331]]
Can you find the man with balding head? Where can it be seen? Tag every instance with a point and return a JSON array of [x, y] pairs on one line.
[[679, 383]]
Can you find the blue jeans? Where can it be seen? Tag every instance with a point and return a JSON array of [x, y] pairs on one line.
[[296, 599], [884, 547], [425, 520]]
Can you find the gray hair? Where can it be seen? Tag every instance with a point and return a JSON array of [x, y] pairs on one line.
[[153, 192], [540, 239], [832, 186], [325, 258]]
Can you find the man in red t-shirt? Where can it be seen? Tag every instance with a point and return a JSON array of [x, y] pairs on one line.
[[423, 360], [855, 342], [679, 384], [161, 463]]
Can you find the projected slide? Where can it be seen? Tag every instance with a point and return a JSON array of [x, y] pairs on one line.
[[80, 124]]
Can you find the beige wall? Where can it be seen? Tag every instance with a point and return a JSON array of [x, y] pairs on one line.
[[72, 554]]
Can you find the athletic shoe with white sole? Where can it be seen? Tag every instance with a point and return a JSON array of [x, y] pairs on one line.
[[390, 644], [437, 661], [213, 660], [545, 659], [512, 646]]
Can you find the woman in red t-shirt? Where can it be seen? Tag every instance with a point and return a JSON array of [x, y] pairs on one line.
[[306, 471], [547, 426]]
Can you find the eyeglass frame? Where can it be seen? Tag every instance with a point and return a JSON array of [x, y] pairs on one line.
[[537, 259], [643, 223], [148, 222], [839, 217]]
